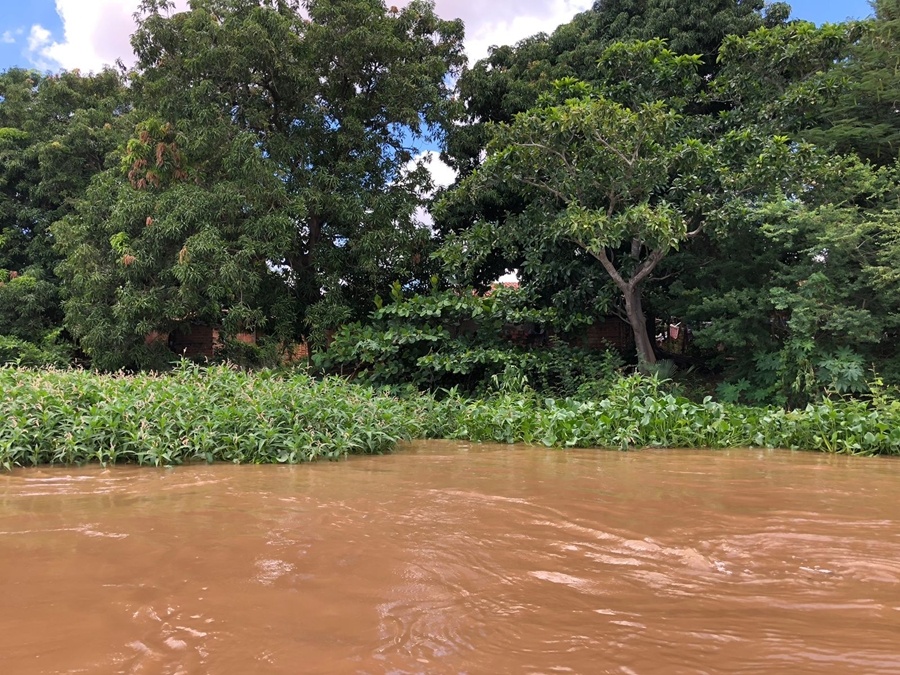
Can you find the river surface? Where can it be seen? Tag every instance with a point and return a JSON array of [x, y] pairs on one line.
[[448, 558]]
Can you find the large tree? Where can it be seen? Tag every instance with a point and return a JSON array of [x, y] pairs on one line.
[[624, 173], [864, 115], [275, 168], [511, 80], [56, 133], [790, 296], [618, 173]]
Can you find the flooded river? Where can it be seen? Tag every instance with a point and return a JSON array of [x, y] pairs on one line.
[[447, 558]]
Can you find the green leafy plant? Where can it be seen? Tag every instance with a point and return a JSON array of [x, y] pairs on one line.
[[462, 340], [193, 414], [220, 414]]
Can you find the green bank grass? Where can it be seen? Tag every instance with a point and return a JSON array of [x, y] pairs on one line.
[[214, 414], [222, 414], [637, 412]]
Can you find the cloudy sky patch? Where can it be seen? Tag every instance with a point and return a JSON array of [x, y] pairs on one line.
[[97, 32], [88, 34], [9, 37]]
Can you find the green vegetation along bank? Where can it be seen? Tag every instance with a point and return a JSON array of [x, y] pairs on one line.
[[716, 187], [222, 414]]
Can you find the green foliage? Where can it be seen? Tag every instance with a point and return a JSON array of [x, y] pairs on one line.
[[324, 317], [273, 166], [617, 172], [637, 412], [793, 267], [56, 133], [262, 354], [28, 304], [864, 116], [464, 341], [511, 79], [798, 374], [786, 73], [788, 291], [193, 414], [221, 414], [142, 257], [262, 169], [837, 85], [50, 352]]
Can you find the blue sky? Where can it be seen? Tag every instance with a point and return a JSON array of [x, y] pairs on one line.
[[88, 33], [16, 21], [822, 11]]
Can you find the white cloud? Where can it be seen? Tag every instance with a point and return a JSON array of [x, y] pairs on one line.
[[442, 176], [38, 38], [505, 22], [8, 37], [97, 32]]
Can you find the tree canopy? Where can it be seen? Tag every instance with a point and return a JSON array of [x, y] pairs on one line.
[[56, 133], [264, 165], [622, 173], [274, 167]]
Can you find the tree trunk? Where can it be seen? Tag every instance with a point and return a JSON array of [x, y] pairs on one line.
[[631, 290], [635, 311]]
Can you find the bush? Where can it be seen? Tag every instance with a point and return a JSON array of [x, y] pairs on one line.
[[459, 340], [14, 351], [638, 412]]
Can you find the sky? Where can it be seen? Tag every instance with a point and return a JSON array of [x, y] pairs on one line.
[[86, 34]]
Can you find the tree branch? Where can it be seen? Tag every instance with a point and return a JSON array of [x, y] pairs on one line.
[[608, 266], [571, 170], [542, 186], [645, 268], [613, 203], [618, 153], [697, 230]]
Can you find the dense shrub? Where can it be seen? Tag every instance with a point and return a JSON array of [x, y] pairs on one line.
[[470, 342], [50, 352], [638, 412]]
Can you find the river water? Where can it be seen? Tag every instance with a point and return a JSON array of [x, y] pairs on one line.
[[448, 558]]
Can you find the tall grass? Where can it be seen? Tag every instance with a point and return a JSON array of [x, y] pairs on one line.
[[214, 414], [220, 414]]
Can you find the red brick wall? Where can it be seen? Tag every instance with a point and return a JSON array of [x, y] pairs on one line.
[[198, 342]]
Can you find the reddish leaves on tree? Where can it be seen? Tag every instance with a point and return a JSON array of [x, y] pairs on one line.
[[163, 153]]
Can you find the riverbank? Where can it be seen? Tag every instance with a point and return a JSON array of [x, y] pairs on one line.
[[221, 414]]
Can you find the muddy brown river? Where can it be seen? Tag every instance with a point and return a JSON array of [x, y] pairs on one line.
[[448, 558]]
